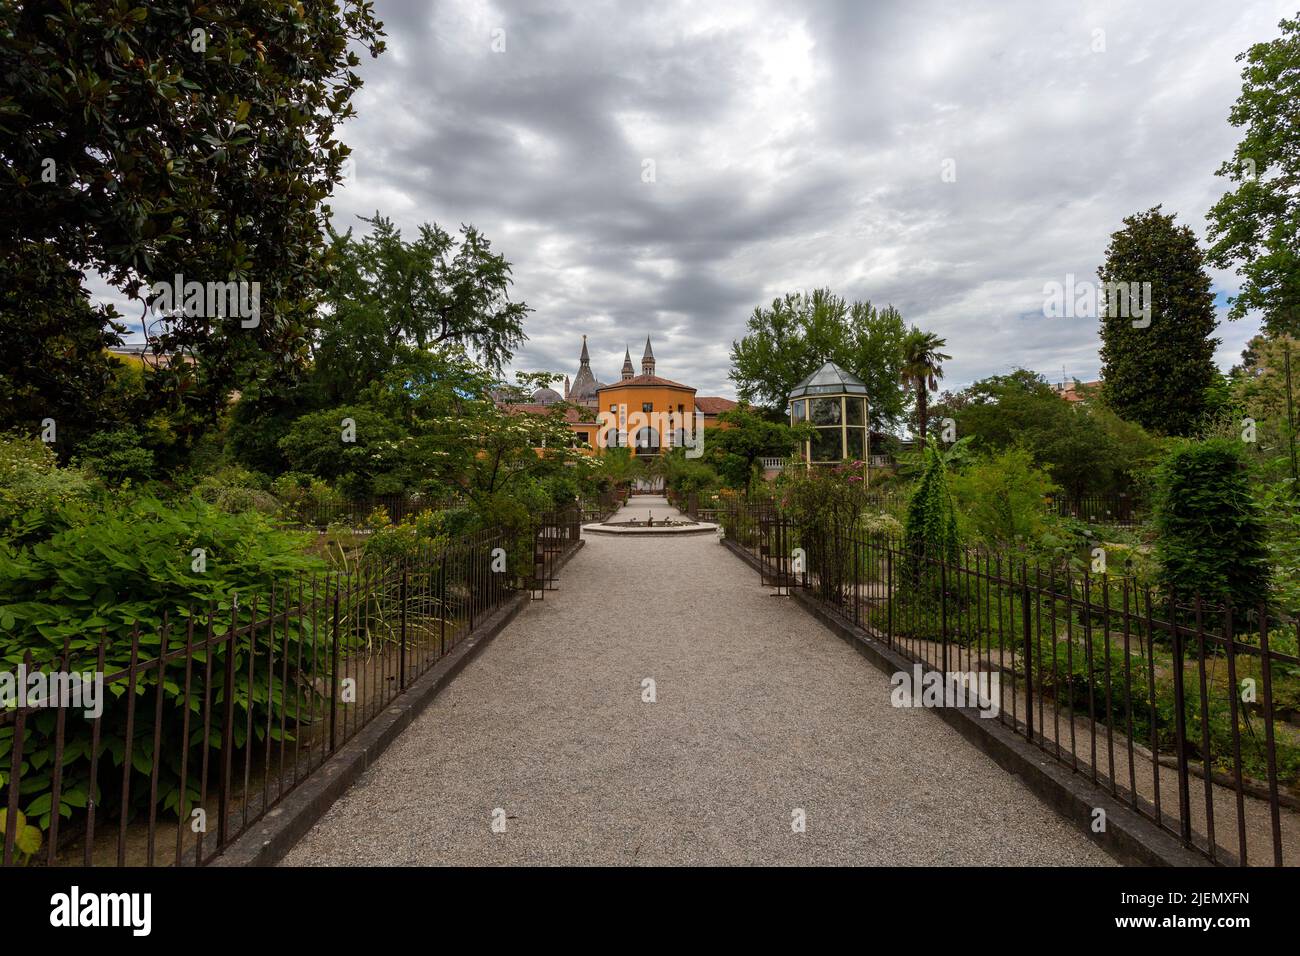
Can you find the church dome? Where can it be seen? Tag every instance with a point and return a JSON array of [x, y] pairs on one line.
[[547, 396]]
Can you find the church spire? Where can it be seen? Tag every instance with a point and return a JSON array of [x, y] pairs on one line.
[[584, 358], [647, 359], [628, 372]]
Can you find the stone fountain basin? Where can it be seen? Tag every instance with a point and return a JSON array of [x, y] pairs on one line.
[[638, 528]]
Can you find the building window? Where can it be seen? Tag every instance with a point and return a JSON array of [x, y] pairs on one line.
[[584, 437], [613, 409], [799, 411], [647, 406]]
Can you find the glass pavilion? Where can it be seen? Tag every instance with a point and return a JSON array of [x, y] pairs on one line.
[[834, 402]]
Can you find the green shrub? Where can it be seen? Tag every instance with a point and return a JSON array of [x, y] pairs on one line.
[[930, 531], [105, 571], [117, 457], [235, 491], [1001, 498], [1212, 536], [33, 487], [304, 497]]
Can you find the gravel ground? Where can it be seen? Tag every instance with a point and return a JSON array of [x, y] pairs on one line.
[[760, 712]]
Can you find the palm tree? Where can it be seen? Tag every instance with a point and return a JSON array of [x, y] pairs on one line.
[[922, 367]]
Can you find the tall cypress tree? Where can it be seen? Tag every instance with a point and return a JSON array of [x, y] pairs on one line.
[[1156, 372]]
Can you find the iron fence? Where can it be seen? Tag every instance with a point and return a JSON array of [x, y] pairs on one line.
[[602, 507], [1118, 510], [210, 719], [1184, 711], [558, 533]]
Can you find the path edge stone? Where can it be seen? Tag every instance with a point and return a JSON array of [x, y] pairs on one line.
[[268, 841], [1129, 837]]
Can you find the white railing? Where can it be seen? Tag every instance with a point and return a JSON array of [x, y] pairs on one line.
[[772, 464]]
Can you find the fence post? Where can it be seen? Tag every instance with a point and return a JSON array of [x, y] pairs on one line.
[[1180, 727], [334, 667], [442, 604], [401, 647], [889, 592], [227, 724], [1028, 630], [943, 615]]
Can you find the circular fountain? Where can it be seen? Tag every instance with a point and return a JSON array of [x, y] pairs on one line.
[[621, 524]]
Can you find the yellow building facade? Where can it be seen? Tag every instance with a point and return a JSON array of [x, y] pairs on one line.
[[644, 413]]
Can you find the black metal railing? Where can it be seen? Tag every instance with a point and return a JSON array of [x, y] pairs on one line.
[[557, 534], [1182, 710], [208, 720], [1118, 510]]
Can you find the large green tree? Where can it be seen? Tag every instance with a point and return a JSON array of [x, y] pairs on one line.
[[388, 295], [1256, 225], [793, 337], [146, 141], [1157, 355]]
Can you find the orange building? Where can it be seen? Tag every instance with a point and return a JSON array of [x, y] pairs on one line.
[[644, 413]]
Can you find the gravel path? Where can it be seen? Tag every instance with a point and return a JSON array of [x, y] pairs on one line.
[[760, 712]]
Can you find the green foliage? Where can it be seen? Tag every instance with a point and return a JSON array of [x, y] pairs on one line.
[[1280, 506], [423, 533], [374, 463], [234, 491], [1212, 536], [930, 531], [1256, 226], [1158, 375], [1085, 447], [27, 838], [684, 475], [921, 367], [211, 162], [618, 467], [123, 566], [33, 486], [302, 496], [798, 333], [116, 457], [748, 438], [53, 362], [1001, 499], [387, 294]]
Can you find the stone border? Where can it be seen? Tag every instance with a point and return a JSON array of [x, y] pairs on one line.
[[700, 527], [1130, 837], [268, 840]]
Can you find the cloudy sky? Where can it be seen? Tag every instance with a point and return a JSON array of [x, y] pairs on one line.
[[800, 145]]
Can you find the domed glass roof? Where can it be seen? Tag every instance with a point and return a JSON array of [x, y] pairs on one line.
[[830, 379]]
